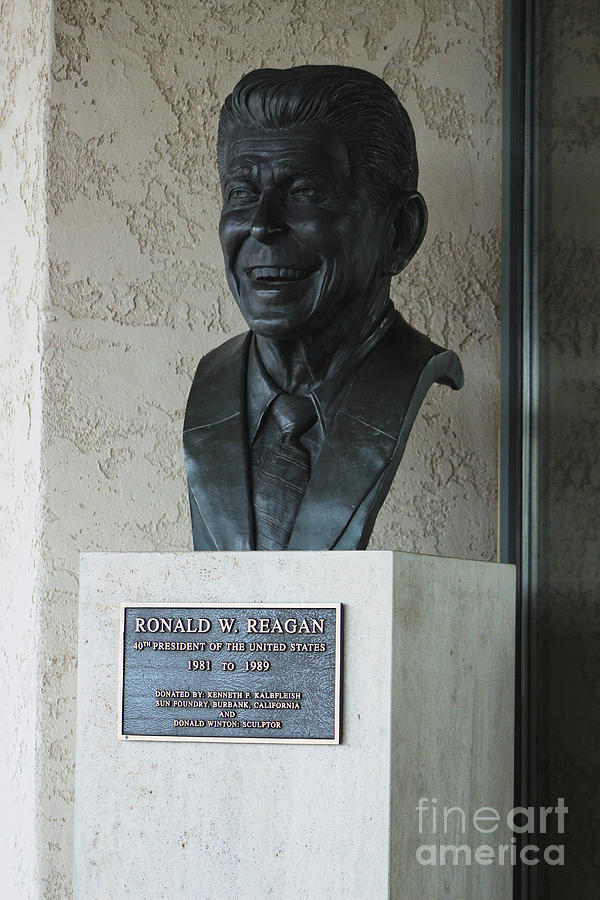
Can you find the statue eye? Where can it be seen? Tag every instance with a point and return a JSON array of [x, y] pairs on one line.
[[303, 191], [242, 193]]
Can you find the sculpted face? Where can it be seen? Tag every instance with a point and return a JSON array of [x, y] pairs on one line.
[[302, 245]]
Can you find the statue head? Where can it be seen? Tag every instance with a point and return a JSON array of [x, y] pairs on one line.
[[318, 171]]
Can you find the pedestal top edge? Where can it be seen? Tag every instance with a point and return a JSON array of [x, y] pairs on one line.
[[119, 556]]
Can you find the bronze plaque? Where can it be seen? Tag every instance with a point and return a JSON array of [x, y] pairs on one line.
[[246, 672]]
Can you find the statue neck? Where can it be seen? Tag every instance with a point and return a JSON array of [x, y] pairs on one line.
[[300, 363]]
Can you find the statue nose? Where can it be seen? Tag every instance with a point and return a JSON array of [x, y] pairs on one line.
[[267, 224], [265, 233]]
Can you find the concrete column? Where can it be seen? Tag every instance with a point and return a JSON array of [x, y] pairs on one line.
[[24, 50]]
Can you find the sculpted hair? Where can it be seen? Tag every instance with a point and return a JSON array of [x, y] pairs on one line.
[[361, 107]]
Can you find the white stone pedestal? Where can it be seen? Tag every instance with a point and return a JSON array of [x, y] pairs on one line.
[[427, 713]]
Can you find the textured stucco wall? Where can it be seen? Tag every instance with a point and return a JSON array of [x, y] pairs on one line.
[[568, 628], [138, 294], [24, 83]]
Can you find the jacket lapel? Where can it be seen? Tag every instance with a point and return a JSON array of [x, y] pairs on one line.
[[353, 457], [369, 434], [216, 445]]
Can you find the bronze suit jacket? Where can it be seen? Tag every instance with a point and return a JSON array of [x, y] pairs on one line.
[[355, 468]]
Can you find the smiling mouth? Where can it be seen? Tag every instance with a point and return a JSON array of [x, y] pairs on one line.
[[271, 276]]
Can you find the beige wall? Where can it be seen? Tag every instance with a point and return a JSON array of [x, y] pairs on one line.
[[138, 294]]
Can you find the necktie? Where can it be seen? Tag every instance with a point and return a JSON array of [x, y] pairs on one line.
[[281, 481]]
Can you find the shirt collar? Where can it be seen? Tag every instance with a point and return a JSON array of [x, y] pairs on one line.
[[261, 389]]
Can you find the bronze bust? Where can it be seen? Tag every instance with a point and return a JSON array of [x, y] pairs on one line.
[[294, 430]]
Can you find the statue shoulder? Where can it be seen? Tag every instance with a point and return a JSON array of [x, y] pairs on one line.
[[407, 345], [222, 357], [218, 382]]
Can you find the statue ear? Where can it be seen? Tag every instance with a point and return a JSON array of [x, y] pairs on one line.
[[408, 227]]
